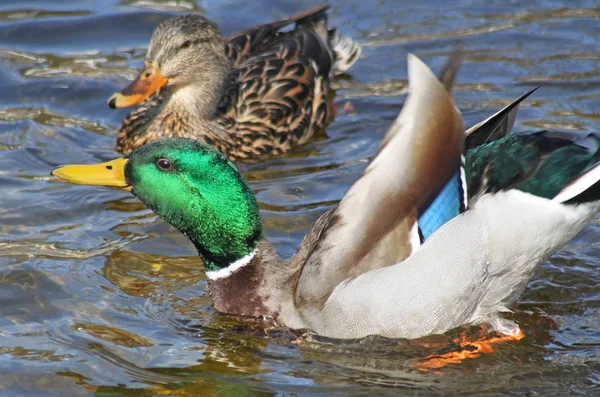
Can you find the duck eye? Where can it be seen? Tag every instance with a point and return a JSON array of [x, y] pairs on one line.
[[164, 164], [186, 44]]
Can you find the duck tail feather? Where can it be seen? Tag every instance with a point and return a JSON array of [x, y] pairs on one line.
[[346, 51], [450, 69], [497, 126], [314, 19], [343, 50]]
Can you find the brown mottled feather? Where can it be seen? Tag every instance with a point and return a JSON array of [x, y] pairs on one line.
[[274, 97], [241, 45], [276, 100]]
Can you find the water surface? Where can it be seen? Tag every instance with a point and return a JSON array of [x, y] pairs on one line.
[[100, 297]]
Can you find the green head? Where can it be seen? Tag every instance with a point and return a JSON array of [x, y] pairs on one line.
[[196, 189]]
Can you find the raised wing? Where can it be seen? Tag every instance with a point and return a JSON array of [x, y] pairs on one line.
[[448, 72], [375, 221], [479, 263], [454, 197]]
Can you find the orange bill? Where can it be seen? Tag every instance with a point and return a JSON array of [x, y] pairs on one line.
[[145, 84], [111, 173]]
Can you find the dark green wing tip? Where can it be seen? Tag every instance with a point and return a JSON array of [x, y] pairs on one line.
[[562, 167]]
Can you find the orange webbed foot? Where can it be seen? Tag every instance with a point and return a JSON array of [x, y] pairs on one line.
[[469, 348]]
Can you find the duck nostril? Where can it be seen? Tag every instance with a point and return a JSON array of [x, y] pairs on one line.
[[147, 75]]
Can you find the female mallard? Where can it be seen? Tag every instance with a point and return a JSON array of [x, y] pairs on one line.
[[363, 269], [256, 94]]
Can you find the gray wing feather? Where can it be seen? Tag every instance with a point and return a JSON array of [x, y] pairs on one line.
[[476, 265], [417, 157]]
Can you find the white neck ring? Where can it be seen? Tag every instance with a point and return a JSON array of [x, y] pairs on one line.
[[232, 268]]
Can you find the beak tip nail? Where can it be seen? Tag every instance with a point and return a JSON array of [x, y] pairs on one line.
[[112, 102]]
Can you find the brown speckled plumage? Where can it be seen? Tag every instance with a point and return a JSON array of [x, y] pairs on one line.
[[266, 93]]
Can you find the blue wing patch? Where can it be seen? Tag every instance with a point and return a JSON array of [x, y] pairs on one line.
[[448, 204]]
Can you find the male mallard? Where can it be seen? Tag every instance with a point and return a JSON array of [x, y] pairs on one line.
[[362, 269], [256, 94], [453, 199]]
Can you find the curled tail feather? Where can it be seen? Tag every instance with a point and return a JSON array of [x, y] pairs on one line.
[[346, 51]]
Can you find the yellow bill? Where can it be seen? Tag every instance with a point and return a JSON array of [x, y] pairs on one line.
[[111, 173], [145, 84]]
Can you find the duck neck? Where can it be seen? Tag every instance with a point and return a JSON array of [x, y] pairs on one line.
[[238, 288], [260, 285], [201, 97], [195, 101], [218, 263]]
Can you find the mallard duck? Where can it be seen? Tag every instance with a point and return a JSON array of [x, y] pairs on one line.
[[256, 94], [363, 269]]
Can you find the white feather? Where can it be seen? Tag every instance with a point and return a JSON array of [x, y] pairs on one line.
[[415, 239], [474, 266], [463, 182], [314, 66], [579, 185], [346, 50], [232, 268]]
